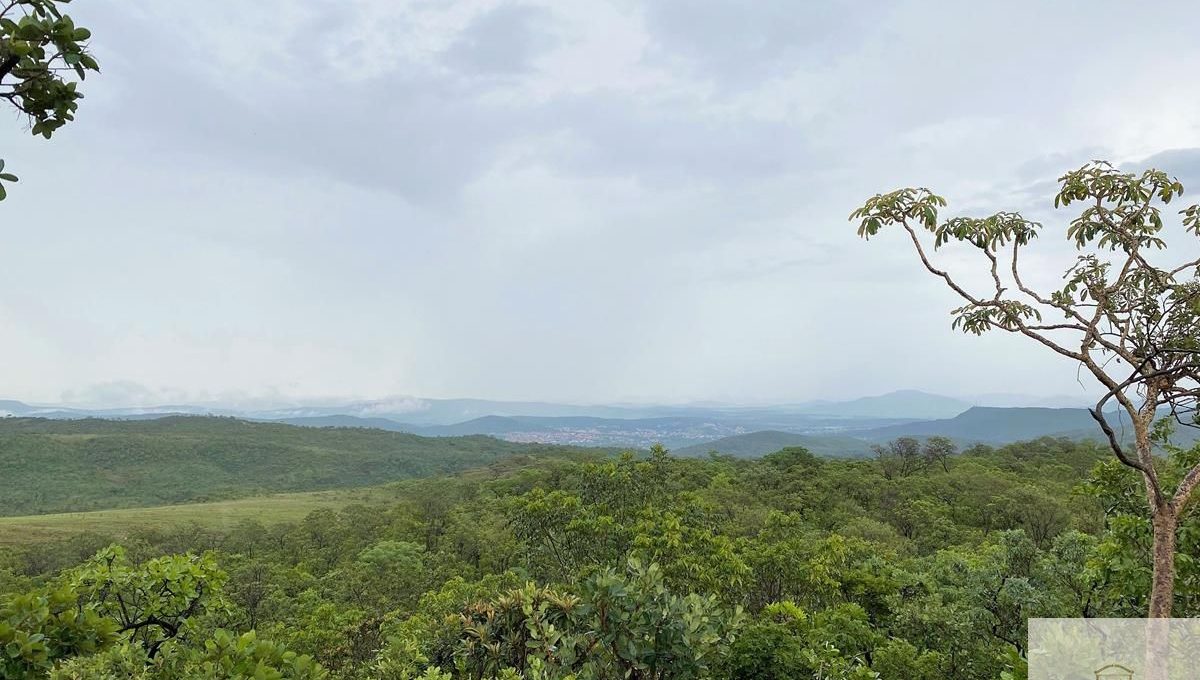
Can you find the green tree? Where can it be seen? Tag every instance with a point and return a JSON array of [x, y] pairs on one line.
[[225, 656], [153, 602], [792, 456], [42, 52], [786, 643], [622, 624], [1132, 324], [900, 457], [937, 452], [1120, 563]]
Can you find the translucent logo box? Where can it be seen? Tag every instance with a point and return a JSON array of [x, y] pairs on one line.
[[1114, 649]]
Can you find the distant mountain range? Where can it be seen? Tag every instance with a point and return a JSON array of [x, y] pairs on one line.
[[980, 424], [904, 404], [829, 427]]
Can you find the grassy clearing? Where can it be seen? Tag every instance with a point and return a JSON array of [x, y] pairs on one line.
[[266, 509]]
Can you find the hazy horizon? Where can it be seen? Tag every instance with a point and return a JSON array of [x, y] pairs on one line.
[[123, 397], [572, 201]]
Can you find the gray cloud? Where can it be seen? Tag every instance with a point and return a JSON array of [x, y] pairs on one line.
[[503, 41], [668, 141], [1181, 163], [552, 200], [742, 43]]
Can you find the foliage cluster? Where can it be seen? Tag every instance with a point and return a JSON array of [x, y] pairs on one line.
[[790, 566], [43, 57]]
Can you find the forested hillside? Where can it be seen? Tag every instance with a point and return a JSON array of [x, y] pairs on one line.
[[70, 465], [791, 566], [756, 444]]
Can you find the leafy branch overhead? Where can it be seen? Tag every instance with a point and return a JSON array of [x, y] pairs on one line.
[[43, 58], [1132, 322], [1146, 316]]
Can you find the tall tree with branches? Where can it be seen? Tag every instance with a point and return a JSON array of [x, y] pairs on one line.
[[1127, 319], [43, 57]]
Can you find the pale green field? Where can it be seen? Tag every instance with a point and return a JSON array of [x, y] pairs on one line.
[[265, 509]]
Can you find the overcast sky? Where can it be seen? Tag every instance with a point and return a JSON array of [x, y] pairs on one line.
[[585, 201]]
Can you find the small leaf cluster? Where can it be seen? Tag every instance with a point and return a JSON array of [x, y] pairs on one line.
[[987, 233], [41, 627], [43, 57], [229, 656], [5, 177], [1004, 314], [35, 50], [1120, 213], [920, 205]]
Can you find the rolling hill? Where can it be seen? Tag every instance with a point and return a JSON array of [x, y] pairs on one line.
[[907, 404], [994, 425], [618, 425], [755, 444], [343, 421], [671, 431], [72, 465]]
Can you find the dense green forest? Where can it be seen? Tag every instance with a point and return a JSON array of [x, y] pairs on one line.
[[917, 564], [91, 464]]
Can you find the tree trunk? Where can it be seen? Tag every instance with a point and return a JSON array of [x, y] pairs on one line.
[[1162, 589], [1164, 520], [1162, 594]]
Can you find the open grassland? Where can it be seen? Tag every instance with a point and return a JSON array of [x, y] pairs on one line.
[[265, 509], [117, 523]]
